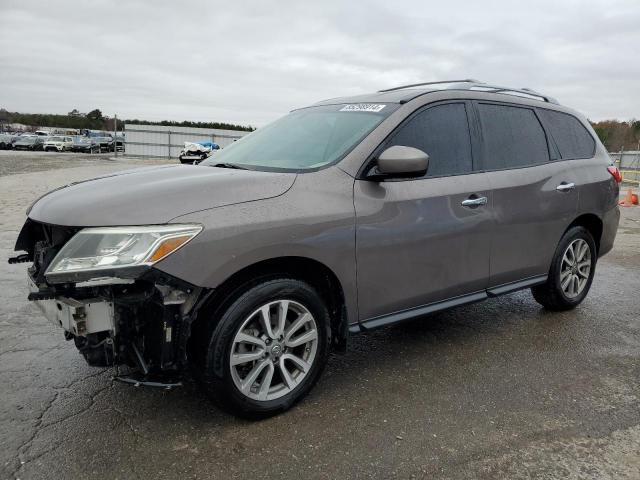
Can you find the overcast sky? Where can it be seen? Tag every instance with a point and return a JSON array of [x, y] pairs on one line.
[[250, 62]]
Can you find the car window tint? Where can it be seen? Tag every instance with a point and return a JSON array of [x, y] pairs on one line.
[[572, 139], [512, 137], [442, 132]]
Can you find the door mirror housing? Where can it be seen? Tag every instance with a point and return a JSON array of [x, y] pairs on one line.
[[399, 162]]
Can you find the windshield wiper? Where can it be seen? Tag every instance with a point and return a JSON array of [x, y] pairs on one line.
[[230, 165]]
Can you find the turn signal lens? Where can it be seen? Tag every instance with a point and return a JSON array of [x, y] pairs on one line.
[[615, 173], [167, 246]]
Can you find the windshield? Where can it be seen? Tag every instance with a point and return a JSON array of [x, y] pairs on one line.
[[55, 139], [305, 139]]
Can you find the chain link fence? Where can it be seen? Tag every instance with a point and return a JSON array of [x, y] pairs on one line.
[[628, 162]]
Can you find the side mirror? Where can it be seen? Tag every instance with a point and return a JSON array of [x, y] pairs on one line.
[[400, 162]]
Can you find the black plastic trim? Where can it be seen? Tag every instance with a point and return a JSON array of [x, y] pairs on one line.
[[132, 272], [514, 286], [403, 315], [383, 320]]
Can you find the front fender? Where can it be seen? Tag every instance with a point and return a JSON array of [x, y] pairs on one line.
[[315, 219]]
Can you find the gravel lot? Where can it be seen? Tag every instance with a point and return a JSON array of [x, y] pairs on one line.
[[500, 389]]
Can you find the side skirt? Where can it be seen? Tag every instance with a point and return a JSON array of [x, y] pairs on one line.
[[383, 320]]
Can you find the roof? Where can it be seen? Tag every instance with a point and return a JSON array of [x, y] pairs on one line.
[[406, 93]]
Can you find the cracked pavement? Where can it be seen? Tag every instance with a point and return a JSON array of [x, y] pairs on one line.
[[500, 389]]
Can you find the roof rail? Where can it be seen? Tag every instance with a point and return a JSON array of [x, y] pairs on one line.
[[520, 92], [468, 80], [471, 84]]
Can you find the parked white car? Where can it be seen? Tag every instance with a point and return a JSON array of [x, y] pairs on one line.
[[197, 151], [58, 143]]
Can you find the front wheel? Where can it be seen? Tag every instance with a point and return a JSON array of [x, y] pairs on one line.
[[268, 348], [571, 272]]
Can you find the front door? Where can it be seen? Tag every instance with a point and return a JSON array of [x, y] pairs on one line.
[[425, 240]]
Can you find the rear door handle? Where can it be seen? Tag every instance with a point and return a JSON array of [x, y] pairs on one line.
[[474, 202], [565, 187]]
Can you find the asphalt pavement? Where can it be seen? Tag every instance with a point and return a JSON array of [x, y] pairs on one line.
[[499, 389]]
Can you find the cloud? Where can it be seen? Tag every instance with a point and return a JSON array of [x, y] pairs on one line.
[[250, 62]]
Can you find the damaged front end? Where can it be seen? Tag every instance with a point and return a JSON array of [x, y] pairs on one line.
[[99, 285]]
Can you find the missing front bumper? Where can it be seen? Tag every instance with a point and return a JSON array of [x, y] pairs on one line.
[[77, 317]]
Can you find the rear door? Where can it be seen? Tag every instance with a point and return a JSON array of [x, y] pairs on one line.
[[534, 194], [415, 241]]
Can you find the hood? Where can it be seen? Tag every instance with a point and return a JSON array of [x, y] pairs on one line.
[[154, 195]]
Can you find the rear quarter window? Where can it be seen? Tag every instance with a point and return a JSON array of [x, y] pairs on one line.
[[571, 137], [512, 137]]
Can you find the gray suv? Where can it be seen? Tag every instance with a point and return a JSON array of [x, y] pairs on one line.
[[339, 218]]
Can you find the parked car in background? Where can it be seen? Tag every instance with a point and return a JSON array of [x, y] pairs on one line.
[[119, 144], [17, 137], [6, 141], [106, 144], [85, 145], [28, 143], [341, 217], [197, 151], [42, 133], [57, 144]]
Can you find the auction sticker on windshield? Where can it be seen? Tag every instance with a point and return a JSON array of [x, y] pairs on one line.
[[362, 107]]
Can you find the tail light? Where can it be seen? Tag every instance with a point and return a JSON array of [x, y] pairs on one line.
[[615, 173]]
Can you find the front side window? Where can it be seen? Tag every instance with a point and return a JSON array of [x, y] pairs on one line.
[[512, 137], [572, 139], [306, 139], [442, 132]]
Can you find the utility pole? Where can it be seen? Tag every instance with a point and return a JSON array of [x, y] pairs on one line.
[[115, 135]]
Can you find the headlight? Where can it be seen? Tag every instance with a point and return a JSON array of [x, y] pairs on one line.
[[109, 248]]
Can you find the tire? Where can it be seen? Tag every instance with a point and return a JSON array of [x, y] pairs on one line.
[[239, 330], [569, 278]]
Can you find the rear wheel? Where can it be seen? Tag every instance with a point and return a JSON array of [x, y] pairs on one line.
[[571, 272], [268, 349]]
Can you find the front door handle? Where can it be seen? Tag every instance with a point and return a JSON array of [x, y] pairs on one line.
[[565, 187], [474, 202]]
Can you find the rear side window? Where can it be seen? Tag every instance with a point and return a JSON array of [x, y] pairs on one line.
[[572, 139], [513, 137], [443, 133]]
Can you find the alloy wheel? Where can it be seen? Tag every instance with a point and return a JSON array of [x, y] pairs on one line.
[[575, 268], [273, 350]]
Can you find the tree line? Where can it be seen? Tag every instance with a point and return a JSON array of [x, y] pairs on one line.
[[94, 120], [615, 134]]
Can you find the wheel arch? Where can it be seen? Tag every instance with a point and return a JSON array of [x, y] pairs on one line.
[[311, 271], [592, 223]]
